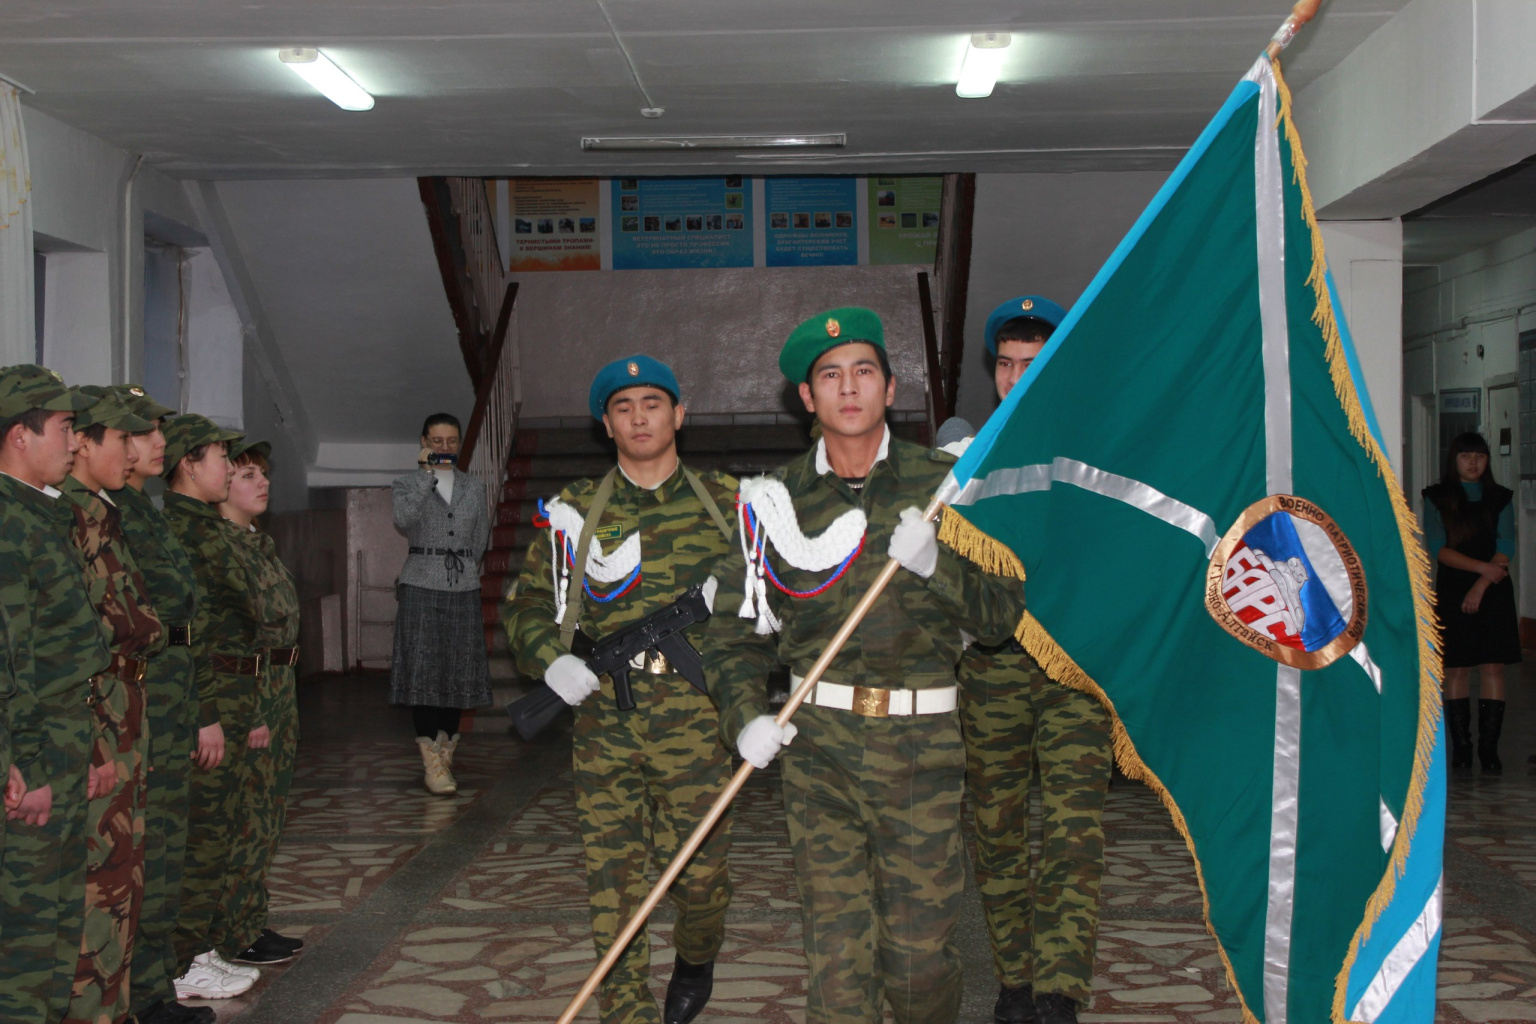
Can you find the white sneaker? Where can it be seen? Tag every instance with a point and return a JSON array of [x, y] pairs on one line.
[[212, 959], [205, 981]]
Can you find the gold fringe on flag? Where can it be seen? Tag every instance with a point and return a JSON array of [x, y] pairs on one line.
[[1326, 319]]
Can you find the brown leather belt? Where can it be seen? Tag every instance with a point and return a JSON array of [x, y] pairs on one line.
[[236, 666], [129, 670], [287, 657], [178, 636]]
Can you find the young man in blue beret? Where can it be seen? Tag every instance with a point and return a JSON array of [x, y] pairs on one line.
[[874, 776], [1018, 722], [618, 549]]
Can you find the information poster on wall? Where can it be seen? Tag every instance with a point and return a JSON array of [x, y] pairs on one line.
[[664, 223], [811, 222], [554, 224], [904, 219]]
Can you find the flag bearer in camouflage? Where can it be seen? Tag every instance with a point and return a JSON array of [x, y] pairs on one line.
[[1018, 722], [873, 780], [645, 777], [114, 870], [274, 743], [172, 700], [62, 667], [227, 670]]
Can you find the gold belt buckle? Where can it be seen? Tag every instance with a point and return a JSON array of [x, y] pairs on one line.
[[872, 701], [139, 667], [259, 660], [656, 663]]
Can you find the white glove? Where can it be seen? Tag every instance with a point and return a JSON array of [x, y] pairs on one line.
[[762, 739], [915, 543], [571, 679], [710, 586]]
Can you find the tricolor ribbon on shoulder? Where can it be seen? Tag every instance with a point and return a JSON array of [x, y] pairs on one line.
[[621, 566], [766, 513]]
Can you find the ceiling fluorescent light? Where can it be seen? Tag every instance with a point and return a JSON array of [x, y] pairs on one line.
[[984, 55], [611, 142], [318, 70]]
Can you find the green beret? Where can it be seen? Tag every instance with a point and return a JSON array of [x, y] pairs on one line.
[[245, 444], [630, 372], [825, 331], [26, 387], [142, 404], [187, 431], [110, 410]]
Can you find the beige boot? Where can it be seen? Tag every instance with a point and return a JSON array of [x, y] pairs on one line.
[[436, 778], [448, 744]]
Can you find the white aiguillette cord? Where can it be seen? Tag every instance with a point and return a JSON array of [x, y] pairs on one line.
[[774, 511]]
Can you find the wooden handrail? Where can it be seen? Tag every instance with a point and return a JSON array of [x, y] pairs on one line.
[[954, 282], [488, 382], [938, 407], [448, 244]]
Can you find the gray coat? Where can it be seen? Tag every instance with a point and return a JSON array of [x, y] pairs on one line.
[[429, 522]]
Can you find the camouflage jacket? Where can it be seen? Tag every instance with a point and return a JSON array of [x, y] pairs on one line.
[[120, 597], [163, 563], [278, 597], [234, 616], [60, 641], [7, 691], [911, 637], [679, 546]]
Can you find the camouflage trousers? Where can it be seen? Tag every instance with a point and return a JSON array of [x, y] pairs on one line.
[[42, 886], [269, 776], [114, 876], [172, 738], [216, 814], [1021, 725], [873, 808], [644, 779]]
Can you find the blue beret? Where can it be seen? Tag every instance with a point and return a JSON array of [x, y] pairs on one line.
[[1037, 306], [630, 372]]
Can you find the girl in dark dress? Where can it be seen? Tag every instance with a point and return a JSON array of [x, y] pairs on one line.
[[1469, 529]]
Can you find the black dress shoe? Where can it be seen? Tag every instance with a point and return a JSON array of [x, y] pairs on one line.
[[1015, 1005], [263, 952], [176, 1013], [275, 939], [1056, 1009], [688, 990]]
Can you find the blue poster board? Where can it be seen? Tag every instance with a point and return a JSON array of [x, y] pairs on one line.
[[811, 222], [670, 223]]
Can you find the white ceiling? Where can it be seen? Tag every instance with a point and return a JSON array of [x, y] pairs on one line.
[[510, 86]]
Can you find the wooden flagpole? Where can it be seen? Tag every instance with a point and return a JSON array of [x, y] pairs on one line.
[[733, 787], [1303, 12]]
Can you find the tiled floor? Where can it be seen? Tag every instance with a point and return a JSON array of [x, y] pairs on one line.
[[421, 909]]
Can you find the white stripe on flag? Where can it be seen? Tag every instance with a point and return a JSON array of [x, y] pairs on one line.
[[1401, 961], [1388, 826], [1269, 211], [1040, 477], [1363, 656]]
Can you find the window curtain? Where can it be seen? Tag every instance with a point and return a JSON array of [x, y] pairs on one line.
[[17, 341]]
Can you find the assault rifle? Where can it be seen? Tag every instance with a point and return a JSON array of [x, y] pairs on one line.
[[662, 630]]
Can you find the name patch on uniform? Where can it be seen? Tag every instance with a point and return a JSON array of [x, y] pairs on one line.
[[613, 532]]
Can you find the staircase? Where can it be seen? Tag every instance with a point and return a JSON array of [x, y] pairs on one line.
[[545, 460]]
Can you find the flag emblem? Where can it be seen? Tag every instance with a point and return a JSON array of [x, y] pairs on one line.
[[1286, 581]]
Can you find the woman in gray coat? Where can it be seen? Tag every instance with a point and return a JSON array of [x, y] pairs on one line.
[[439, 664]]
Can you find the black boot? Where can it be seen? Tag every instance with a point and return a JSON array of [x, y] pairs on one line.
[[1054, 1008], [688, 990], [1458, 729], [1015, 1005], [1490, 722]]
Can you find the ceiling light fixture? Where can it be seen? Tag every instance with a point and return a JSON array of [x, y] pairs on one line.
[[984, 54], [318, 70], [611, 142]]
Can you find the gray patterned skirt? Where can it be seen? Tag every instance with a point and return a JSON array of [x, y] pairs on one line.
[[439, 650]]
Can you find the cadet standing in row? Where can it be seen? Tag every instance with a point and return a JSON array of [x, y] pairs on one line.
[[171, 693], [619, 549], [1017, 722], [273, 743], [874, 780], [114, 890], [60, 666]]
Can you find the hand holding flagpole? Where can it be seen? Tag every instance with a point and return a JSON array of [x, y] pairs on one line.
[[723, 801]]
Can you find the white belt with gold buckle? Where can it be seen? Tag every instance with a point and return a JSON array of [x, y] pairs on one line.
[[877, 702]]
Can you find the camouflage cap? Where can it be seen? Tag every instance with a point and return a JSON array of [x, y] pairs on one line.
[[26, 386], [245, 444], [828, 330], [142, 404], [110, 410], [187, 431]]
